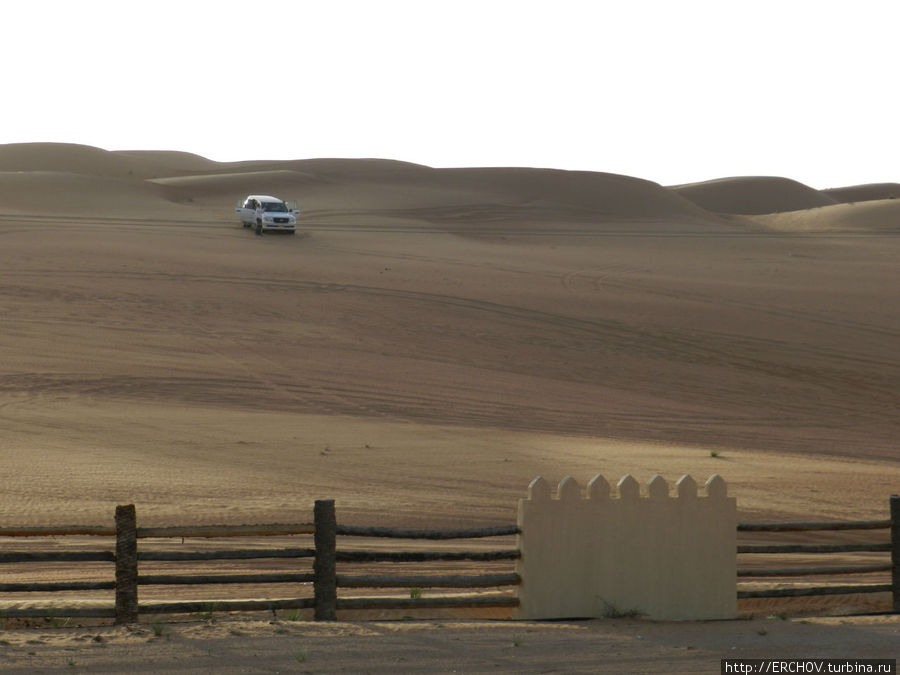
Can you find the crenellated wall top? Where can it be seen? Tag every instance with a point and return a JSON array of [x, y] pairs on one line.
[[627, 488]]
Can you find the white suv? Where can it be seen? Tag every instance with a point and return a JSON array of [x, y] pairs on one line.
[[268, 214]]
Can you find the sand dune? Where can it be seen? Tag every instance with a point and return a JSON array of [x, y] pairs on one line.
[[79, 194], [219, 186], [361, 190], [862, 193], [78, 159], [171, 162], [863, 216], [389, 188], [366, 188], [429, 342], [753, 195], [573, 318]]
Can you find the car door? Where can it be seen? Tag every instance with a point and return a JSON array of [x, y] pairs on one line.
[[247, 212]]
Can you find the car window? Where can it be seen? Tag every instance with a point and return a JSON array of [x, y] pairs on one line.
[[275, 206]]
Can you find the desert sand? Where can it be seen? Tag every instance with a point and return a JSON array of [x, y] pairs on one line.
[[432, 339]]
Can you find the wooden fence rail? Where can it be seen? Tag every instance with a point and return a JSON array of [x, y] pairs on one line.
[[126, 557], [892, 547], [331, 603], [326, 579]]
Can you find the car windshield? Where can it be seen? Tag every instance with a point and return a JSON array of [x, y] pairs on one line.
[[275, 206]]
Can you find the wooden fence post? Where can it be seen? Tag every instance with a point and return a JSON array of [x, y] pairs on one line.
[[895, 550], [126, 565], [324, 566]]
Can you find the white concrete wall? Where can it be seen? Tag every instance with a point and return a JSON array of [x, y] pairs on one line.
[[668, 557]]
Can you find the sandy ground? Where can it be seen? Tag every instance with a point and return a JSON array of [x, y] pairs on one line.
[[599, 646], [425, 345]]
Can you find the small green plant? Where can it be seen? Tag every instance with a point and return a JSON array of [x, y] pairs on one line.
[[613, 611], [208, 615], [56, 621], [158, 628], [292, 615], [300, 655], [518, 641], [415, 593], [713, 453]]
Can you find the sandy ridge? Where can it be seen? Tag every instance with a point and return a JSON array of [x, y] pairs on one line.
[[372, 185]]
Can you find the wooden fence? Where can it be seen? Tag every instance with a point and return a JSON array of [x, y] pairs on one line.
[[326, 579], [891, 564]]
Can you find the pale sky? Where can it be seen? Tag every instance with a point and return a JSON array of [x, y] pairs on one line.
[[671, 91]]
